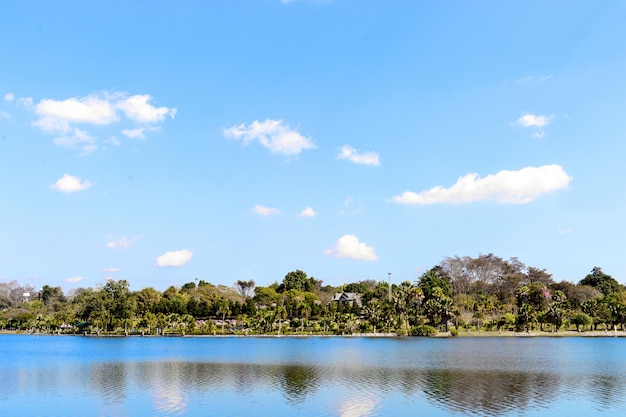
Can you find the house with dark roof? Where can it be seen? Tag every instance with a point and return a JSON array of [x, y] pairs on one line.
[[347, 298]]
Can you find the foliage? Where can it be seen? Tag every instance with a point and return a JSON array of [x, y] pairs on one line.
[[484, 293], [423, 330], [604, 283], [298, 280], [581, 319]]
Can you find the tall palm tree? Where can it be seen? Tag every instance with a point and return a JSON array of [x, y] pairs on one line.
[[305, 309], [280, 312], [224, 310]]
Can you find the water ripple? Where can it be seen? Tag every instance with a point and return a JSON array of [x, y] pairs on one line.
[[353, 378]]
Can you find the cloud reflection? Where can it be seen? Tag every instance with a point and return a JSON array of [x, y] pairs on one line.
[[358, 407]]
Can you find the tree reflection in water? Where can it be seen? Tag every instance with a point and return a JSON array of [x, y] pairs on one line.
[[297, 381], [489, 393], [383, 377]]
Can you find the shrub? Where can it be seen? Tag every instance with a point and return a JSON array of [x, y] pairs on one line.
[[423, 330], [506, 321]]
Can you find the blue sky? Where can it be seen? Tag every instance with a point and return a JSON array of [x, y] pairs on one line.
[[226, 140]]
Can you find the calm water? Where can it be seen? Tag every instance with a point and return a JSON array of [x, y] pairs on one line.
[[82, 376]]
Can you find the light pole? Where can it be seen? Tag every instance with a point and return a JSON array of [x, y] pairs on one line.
[[389, 283]]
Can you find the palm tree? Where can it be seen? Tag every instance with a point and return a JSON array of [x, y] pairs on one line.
[[224, 310], [174, 320], [280, 312], [263, 320], [405, 297], [305, 309], [373, 310], [161, 322], [351, 322], [189, 322]]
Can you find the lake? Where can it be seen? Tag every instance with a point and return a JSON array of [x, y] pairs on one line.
[[312, 376]]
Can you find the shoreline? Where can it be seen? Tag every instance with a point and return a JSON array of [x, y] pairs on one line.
[[441, 335]]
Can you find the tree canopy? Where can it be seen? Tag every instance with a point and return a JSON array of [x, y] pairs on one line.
[[472, 294]]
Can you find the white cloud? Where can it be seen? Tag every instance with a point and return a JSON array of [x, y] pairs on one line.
[[91, 109], [513, 187], [274, 135], [123, 243], [175, 258], [99, 109], [138, 109], [365, 158], [61, 116], [111, 269], [4, 115], [53, 125], [348, 246], [265, 211], [533, 120], [138, 133], [69, 184], [534, 77], [78, 139], [9, 97], [73, 280], [308, 212]]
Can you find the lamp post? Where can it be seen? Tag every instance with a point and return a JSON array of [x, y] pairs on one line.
[[389, 284]]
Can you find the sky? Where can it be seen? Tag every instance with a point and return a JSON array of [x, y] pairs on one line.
[[162, 142]]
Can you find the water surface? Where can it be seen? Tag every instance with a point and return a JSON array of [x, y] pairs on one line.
[[316, 376]]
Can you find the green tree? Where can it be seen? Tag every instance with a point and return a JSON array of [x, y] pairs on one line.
[[188, 322], [362, 287], [406, 297], [298, 280], [52, 297], [147, 300], [438, 308], [526, 315], [266, 296], [601, 281], [304, 310], [263, 320], [581, 319], [555, 315], [506, 321], [223, 309], [431, 280], [174, 320], [119, 300]]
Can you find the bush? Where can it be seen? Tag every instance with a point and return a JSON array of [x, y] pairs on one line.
[[454, 331], [506, 322], [423, 330], [490, 325]]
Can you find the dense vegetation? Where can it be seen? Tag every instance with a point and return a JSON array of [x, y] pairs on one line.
[[460, 294]]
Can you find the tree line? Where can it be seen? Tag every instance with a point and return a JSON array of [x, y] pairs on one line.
[[460, 294]]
